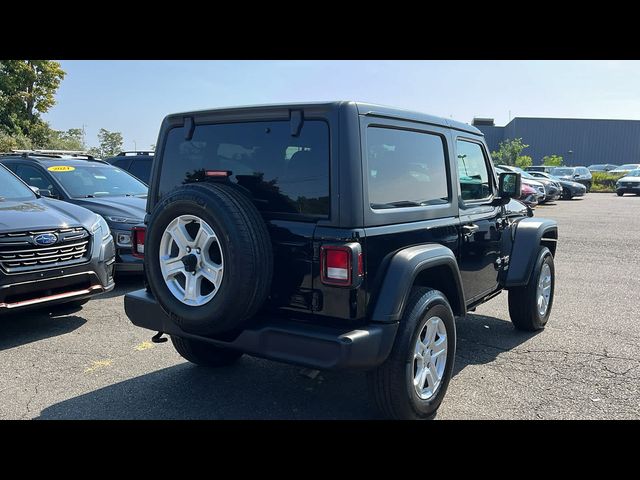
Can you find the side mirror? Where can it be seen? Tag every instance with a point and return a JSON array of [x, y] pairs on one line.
[[43, 192], [577, 175], [509, 185]]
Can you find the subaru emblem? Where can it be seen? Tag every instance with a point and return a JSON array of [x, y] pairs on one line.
[[45, 239]]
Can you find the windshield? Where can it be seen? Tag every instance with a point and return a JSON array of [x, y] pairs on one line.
[[634, 173], [11, 188], [562, 171], [97, 181], [628, 166]]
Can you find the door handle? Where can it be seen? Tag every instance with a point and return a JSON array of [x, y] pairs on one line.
[[470, 229]]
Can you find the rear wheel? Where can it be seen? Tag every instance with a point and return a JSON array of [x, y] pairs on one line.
[[413, 380], [204, 354], [530, 305]]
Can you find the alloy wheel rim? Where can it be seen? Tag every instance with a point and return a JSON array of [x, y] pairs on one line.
[[430, 358], [191, 260], [544, 289]]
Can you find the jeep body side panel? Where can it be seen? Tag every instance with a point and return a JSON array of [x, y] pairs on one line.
[[529, 234], [403, 269]]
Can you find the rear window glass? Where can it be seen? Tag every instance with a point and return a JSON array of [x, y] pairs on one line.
[[406, 168], [284, 173]]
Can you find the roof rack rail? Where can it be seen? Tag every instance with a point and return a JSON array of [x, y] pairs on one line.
[[75, 154], [135, 152]]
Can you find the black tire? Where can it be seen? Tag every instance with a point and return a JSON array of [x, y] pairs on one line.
[[620, 194], [204, 354], [246, 252], [568, 196], [391, 384], [523, 308]]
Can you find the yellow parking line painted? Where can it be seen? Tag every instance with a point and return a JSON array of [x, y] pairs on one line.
[[97, 365], [143, 346]]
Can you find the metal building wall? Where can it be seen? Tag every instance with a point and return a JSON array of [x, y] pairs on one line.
[[591, 141]]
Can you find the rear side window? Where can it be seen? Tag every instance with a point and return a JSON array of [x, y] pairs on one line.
[[406, 168], [284, 173]]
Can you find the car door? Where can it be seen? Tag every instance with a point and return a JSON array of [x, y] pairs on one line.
[[481, 223]]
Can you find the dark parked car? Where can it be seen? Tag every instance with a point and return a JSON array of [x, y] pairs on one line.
[[575, 174], [94, 184], [51, 252], [569, 189], [630, 183], [335, 236], [136, 163], [602, 167]]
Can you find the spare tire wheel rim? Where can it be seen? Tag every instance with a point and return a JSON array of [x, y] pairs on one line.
[[191, 260]]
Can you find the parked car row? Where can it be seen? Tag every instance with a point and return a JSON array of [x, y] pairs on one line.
[[612, 168], [539, 186]]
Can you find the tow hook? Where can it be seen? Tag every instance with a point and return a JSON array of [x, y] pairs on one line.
[[158, 338]]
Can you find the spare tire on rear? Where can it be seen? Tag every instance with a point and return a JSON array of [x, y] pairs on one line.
[[208, 257]]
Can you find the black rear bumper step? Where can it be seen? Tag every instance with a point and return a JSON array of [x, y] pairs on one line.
[[314, 346]]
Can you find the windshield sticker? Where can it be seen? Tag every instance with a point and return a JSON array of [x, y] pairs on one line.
[[100, 177], [61, 168]]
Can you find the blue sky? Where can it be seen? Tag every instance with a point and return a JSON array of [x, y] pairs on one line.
[[132, 97]]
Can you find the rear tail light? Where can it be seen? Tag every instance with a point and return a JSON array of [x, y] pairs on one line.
[[341, 265], [137, 241]]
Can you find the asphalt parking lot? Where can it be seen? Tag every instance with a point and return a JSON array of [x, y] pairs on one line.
[[91, 363]]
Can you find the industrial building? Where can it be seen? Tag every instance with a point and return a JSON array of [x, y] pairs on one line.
[[578, 141]]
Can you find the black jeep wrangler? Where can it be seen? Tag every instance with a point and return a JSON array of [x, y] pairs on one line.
[[335, 236]]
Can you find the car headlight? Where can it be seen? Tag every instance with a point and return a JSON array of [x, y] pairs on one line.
[[117, 219], [101, 224]]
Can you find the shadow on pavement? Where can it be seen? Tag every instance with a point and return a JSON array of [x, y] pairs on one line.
[[25, 327], [481, 339], [260, 389]]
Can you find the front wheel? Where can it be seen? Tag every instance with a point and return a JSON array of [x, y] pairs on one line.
[[412, 382], [530, 305], [620, 193]]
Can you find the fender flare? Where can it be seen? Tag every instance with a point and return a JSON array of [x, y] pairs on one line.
[[529, 234], [404, 267]]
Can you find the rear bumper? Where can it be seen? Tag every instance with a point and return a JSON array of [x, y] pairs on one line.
[[309, 345], [127, 263]]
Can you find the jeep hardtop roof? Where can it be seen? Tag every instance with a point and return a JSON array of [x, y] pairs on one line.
[[363, 109]]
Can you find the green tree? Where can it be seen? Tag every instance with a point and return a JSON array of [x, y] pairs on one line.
[[27, 90], [552, 160], [524, 161], [66, 140], [110, 144], [508, 152], [17, 141]]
